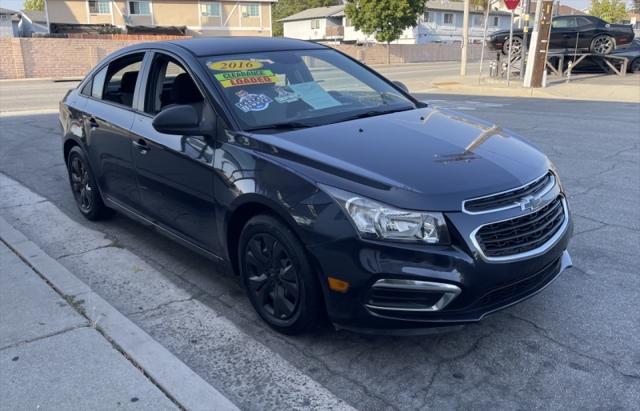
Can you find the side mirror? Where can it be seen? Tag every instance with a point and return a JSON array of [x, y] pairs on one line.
[[180, 120], [401, 85]]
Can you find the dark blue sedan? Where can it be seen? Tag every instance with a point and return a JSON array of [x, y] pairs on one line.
[[329, 190]]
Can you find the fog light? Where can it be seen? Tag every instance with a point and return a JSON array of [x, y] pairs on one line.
[[338, 285]]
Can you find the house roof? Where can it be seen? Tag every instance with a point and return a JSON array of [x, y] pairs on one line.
[[7, 11], [563, 10], [317, 13], [35, 16]]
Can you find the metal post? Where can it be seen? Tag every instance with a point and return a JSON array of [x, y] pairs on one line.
[[510, 47], [465, 38], [525, 38], [487, 7]]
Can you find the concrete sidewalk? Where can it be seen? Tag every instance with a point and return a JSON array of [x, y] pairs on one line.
[[63, 347], [581, 87]]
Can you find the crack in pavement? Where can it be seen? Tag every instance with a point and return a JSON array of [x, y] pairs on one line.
[[333, 372], [195, 296], [43, 337], [595, 220], [444, 361], [544, 333], [23, 204], [110, 245]]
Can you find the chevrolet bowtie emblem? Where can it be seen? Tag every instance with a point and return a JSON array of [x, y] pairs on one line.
[[530, 203]]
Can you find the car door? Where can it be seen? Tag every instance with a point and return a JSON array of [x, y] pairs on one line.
[[586, 31], [174, 172], [564, 32], [108, 117]]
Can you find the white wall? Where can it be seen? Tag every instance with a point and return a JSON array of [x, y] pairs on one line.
[[302, 30]]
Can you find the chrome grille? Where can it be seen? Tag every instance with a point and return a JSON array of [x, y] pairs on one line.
[[522, 234], [511, 198]]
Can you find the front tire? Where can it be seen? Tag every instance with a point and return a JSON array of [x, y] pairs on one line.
[[634, 66], [277, 276], [517, 46], [603, 45], [84, 187]]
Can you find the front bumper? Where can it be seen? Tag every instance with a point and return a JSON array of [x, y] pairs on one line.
[[484, 286]]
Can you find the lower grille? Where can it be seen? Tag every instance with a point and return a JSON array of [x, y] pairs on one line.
[[515, 290], [522, 234]]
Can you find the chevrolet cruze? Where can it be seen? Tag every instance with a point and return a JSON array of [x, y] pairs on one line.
[[329, 190]]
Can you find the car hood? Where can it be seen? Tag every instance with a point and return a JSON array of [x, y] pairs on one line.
[[424, 159]]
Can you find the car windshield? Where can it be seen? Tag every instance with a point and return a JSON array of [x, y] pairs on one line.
[[300, 88]]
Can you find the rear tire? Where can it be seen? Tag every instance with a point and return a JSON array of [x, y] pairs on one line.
[[634, 66], [603, 45], [277, 276], [84, 187]]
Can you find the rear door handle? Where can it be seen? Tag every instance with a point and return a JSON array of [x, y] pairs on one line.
[[142, 146]]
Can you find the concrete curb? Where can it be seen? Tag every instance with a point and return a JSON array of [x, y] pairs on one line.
[[175, 378]]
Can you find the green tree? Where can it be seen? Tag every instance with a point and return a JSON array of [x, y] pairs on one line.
[[385, 19], [286, 8], [34, 5], [612, 11]]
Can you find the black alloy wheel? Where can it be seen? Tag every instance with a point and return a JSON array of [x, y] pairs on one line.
[[83, 185], [277, 276]]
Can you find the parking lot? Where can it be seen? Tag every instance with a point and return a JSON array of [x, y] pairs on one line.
[[574, 346]]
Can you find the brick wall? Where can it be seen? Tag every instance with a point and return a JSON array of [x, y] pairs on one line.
[[58, 57], [73, 57], [408, 53]]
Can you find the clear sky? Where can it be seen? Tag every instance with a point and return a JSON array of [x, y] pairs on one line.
[[17, 4]]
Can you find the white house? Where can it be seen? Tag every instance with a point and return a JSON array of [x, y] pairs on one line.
[[441, 22], [318, 24]]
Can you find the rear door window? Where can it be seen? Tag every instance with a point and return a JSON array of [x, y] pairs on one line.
[[117, 82]]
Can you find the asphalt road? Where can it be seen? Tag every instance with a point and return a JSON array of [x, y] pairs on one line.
[[574, 346]]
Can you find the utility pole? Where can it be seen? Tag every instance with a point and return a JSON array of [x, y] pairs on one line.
[[537, 60], [465, 39]]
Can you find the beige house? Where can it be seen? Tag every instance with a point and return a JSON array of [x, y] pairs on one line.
[[201, 17]]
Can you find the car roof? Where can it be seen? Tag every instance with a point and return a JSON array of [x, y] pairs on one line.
[[212, 46]]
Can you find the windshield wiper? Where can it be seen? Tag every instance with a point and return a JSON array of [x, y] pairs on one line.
[[374, 113], [282, 126]]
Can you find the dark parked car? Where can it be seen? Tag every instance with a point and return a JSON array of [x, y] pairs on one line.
[[584, 33], [328, 189]]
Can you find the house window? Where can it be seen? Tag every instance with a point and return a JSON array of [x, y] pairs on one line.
[[477, 20], [210, 9], [315, 24], [428, 17], [448, 19], [99, 7], [139, 7], [496, 21], [251, 10]]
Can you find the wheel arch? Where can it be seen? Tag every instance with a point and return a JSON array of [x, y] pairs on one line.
[[243, 209]]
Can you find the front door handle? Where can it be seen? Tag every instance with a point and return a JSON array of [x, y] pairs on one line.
[[93, 123], [142, 145]]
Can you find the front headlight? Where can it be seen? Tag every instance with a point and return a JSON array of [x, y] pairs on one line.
[[379, 221]]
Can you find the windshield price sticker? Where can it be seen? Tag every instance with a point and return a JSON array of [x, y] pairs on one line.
[[246, 78], [235, 65], [252, 102]]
